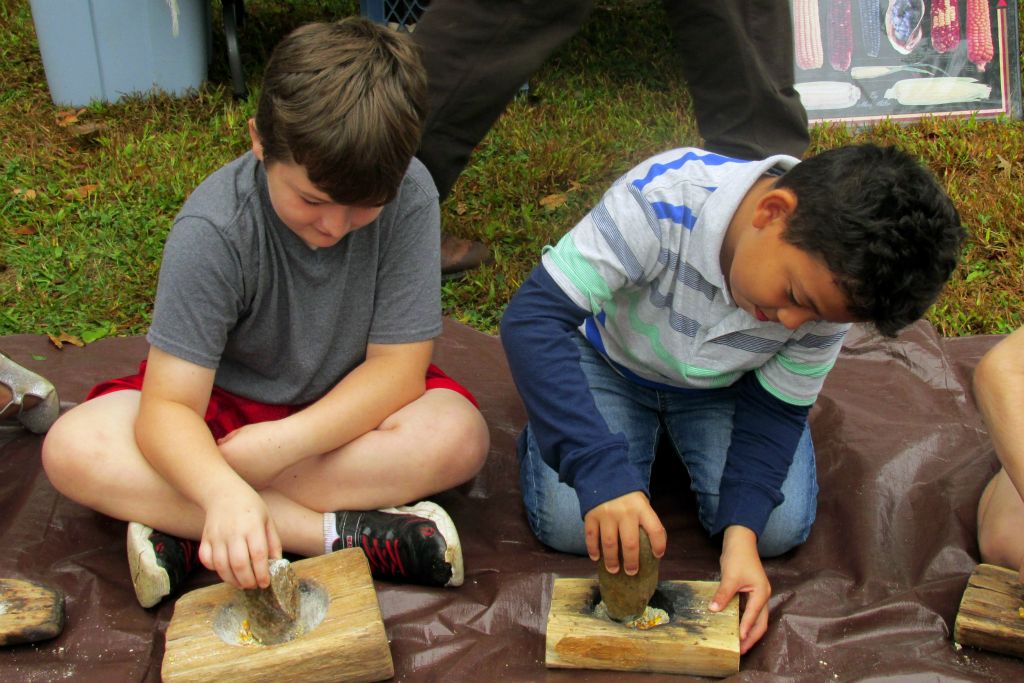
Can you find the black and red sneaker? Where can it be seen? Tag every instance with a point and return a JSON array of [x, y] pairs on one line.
[[159, 562], [414, 543]]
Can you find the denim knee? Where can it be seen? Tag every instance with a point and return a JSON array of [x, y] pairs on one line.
[[784, 532], [552, 507]]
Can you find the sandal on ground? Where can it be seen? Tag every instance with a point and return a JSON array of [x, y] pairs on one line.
[[23, 383]]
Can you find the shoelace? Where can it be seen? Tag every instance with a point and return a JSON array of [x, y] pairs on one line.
[[383, 557]]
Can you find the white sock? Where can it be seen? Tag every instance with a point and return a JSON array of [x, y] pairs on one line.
[[330, 532]]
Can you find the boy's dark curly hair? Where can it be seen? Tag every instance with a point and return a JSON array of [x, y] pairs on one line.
[[882, 224]]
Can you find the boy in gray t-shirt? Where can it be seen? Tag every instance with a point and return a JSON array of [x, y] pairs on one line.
[[283, 405]]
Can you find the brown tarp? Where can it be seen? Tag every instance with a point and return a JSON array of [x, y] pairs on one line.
[[902, 459]]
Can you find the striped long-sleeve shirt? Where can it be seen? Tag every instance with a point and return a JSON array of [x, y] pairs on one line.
[[641, 277]]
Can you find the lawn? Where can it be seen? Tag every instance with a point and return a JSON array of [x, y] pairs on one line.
[[89, 194]]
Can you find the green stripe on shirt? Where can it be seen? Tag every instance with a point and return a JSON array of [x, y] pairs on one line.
[[652, 333], [579, 271], [785, 398], [804, 369]]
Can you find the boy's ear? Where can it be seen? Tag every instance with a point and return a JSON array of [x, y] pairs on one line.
[[257, 145], [776, 204]]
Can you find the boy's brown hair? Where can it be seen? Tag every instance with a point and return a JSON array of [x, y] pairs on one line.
[[347, 101]]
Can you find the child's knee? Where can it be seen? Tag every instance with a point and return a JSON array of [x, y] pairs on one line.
[[782, 536], [462, 440], [563, 535], [62, 453]]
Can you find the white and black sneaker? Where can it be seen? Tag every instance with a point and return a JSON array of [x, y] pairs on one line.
[[159, 562], [413, 543]]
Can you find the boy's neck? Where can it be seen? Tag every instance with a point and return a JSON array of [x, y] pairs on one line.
[[742, 220]]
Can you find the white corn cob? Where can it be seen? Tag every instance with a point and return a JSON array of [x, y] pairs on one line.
[[939, 90], [827, 94], [807, 34]]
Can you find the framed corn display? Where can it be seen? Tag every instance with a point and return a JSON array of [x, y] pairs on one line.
[[860, 61]]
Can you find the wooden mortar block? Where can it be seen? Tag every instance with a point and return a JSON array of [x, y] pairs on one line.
[[29, 612], [989, 616], [696, 641], [348, 644]]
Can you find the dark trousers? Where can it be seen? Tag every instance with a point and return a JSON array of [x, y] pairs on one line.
[[737, 58]]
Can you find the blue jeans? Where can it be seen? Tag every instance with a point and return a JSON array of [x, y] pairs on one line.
[[699, 426]]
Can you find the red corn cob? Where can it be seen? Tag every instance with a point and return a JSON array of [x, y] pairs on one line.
[[979, 34], [840, 34], [945, 25]]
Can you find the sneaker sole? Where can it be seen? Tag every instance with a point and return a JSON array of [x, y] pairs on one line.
[[453, 547], [151, 582]]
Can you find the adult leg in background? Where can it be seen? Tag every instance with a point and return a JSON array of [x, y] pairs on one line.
[[477, 54], [737, 58]]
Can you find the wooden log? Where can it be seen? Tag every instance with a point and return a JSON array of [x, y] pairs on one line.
[[341, 636], [990, 614], [29, 612], [695, 641]]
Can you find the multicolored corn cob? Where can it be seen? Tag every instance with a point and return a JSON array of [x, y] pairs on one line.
[[945, 25], [871, 26], [807, 34]]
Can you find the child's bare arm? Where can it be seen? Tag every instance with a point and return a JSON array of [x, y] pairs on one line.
[[238, 534], [742, 572], [391, 377]]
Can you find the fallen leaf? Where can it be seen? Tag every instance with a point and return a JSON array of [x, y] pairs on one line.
[[89, 130], [573, 186], [99, 332], [80, 192], [460, 209], [25, 230], [1004, 166], [66, 117], [29, 194], [64, 338], [553, 201]]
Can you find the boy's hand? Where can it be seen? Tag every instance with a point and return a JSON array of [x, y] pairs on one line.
[[256, 452], [742, 572], [238, 538], [620, 519]]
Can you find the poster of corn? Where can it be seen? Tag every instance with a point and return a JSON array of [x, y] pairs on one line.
[[863, 60]]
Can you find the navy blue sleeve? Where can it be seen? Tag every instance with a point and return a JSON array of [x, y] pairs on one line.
[[537, 333], [765, 434]]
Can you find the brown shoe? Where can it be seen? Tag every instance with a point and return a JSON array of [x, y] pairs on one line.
[[459, 256]]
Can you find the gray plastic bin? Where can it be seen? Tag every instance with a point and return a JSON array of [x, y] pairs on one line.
[[105, 49]]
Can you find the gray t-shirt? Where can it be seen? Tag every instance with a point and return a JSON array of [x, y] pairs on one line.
[[281, 322]]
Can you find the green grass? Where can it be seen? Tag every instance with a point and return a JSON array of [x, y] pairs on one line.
[[84, 261]]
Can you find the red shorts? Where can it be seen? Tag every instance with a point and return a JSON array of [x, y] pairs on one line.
[[227, 412]]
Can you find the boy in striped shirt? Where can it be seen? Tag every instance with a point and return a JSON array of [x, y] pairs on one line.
[[708, 297]]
